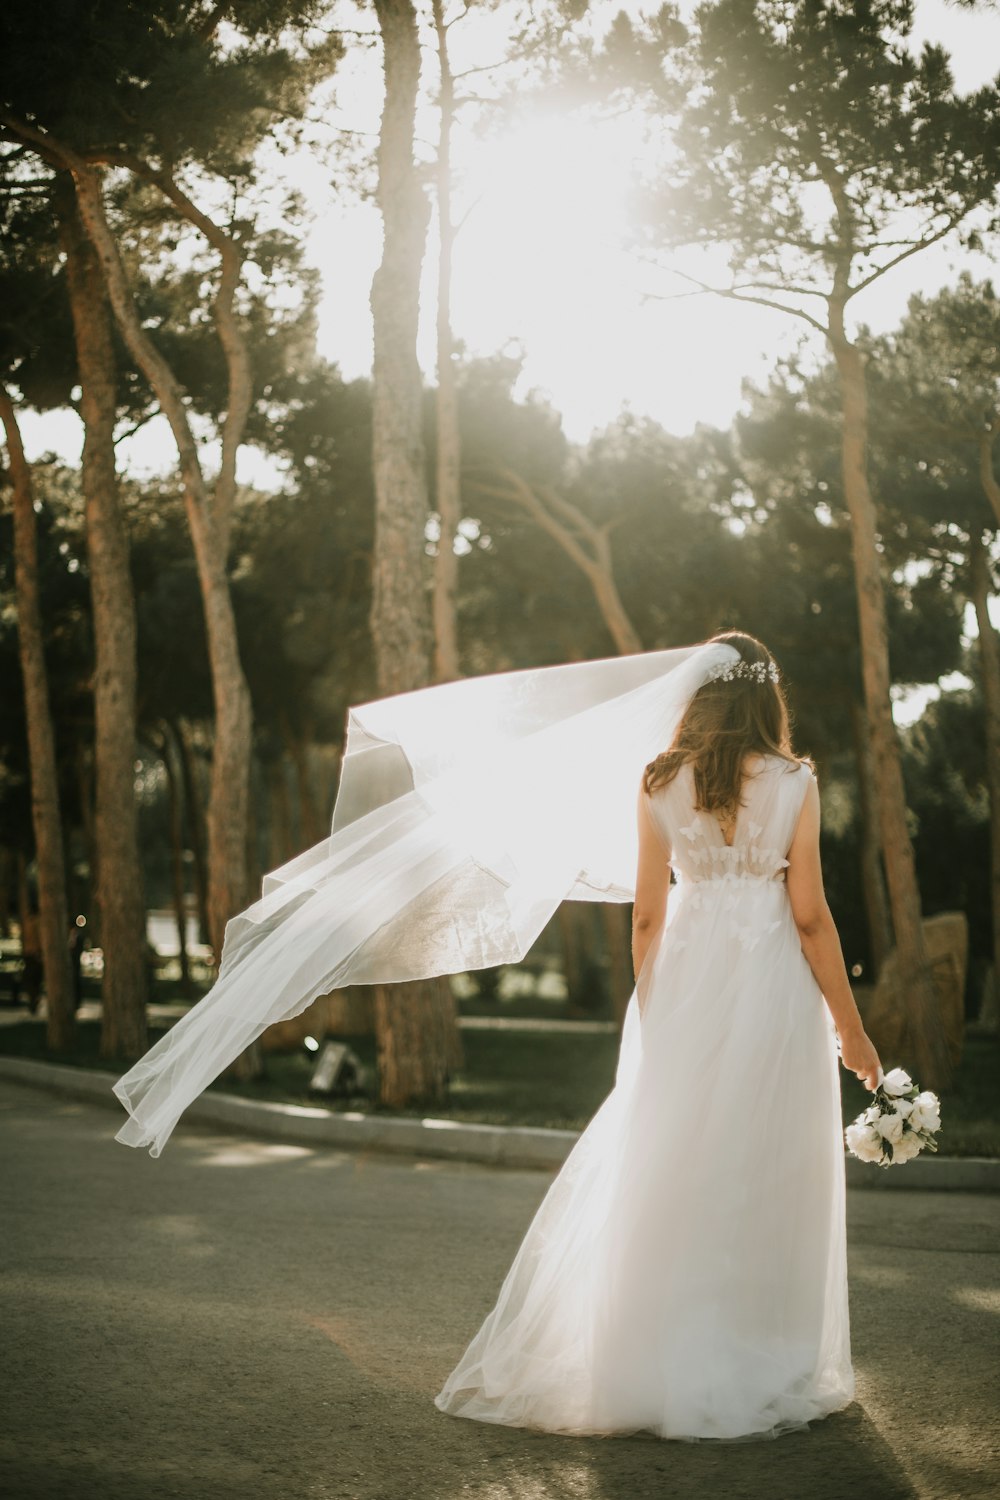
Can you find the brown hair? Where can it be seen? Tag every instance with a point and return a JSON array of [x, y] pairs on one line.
[[726, 721]]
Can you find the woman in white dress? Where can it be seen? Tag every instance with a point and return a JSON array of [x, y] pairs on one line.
[[686, 1272]]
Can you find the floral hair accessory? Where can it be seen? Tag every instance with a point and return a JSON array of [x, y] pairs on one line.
[[757, 671]]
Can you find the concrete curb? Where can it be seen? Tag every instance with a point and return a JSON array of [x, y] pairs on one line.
[[498, 1145], [494, 1145]]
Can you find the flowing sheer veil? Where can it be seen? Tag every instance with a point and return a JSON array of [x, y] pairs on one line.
[[466, 813]]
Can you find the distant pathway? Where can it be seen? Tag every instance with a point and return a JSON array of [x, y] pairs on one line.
[[252, 1320]]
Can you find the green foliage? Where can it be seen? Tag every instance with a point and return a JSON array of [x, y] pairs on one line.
[[789, 451], [186, 90], [303, 581], [176, 81], [36, 334], [677, 562], [807, 139], [935, 385]]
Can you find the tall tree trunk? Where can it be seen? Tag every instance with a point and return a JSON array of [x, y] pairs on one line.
[[412, 1020], [399, 615], [192, 801], [579, 925], [872, 876], [349, 1011], [254, 867], [617, 929], [85, 792], [53, 917], [209, 520], [584, 542], [209, 511], [448, 490], [297, 745], [279, 830], [572, 967], [7, 886], [119, 870], [410, 1046], [176, 809], [926, 1031], [980, 588], [228, 887]]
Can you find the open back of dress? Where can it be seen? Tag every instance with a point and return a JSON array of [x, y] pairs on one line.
[[686, 1271]]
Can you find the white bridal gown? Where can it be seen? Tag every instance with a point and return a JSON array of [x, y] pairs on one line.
[[686, 1271]]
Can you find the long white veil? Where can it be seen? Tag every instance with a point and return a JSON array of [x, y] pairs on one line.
[[466, 813]]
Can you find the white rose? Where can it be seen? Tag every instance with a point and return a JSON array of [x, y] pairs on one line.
[[926, 1112], [890, 1127], [903, 1107], [872, 1113], [864, 1141], [897, 1082], [906, 1148]]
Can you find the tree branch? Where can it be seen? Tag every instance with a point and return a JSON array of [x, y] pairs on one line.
[[585, 544], [732, 295], [130, 432], [519, 493], [149, 359], [207, 29], [790, 290], [239, 374], [912, 249], [24, 133]]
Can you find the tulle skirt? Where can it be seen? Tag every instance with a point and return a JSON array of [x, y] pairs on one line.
[[686, 1272]]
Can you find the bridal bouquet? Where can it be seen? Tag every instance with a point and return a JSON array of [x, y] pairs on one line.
[[898, 1125]]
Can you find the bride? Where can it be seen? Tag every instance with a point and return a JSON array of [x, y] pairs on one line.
[[686, 1271]]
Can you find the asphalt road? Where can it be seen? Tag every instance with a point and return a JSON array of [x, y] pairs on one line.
[[269, 1322]]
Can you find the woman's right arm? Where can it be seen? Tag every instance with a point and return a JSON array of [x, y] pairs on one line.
[[821, 943]]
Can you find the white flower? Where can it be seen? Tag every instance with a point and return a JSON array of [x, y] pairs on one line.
[[907, 1148], [864, 1141], [890, 1127], [904, 1107], [926, 1112], [872, 1113], [897, 1082]]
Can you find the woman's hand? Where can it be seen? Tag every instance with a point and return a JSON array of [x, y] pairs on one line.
[[858, 1055]]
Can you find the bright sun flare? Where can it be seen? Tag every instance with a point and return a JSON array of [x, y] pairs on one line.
[[542, 259]]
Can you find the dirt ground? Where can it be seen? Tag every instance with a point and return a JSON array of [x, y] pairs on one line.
[[246, 1319]]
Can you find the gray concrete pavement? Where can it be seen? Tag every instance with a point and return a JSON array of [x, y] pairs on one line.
[[271, 1321]]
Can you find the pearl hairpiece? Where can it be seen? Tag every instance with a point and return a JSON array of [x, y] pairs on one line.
[[757, 671]]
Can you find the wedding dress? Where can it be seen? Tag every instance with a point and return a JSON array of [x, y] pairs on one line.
[[686, 1271]]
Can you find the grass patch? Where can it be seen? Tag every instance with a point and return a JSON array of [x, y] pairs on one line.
[[542, 1079], [509, 1078]]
